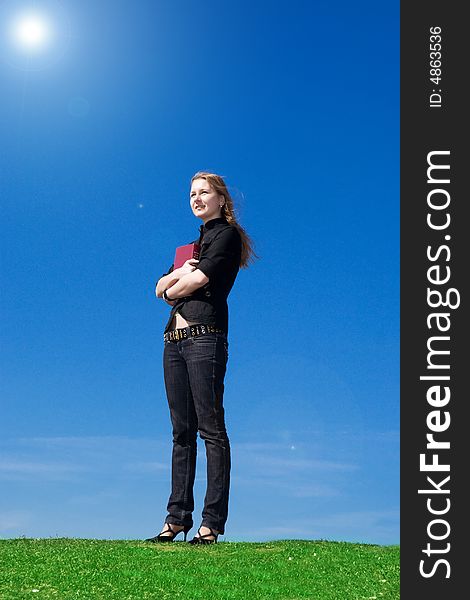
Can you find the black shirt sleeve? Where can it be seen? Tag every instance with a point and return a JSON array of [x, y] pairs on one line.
[[221, 252]]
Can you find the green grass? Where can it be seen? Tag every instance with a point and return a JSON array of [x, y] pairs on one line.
[[135, 570]]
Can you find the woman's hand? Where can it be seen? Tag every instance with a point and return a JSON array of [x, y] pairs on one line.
[[167, 281], [190, 279], [188, 267]]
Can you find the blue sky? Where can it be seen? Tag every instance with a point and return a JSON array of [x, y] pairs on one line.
[[298, 107]]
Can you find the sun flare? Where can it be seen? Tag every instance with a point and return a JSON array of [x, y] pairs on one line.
[[31, 31]]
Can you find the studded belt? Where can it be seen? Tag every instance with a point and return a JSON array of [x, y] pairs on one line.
[[175, 335]]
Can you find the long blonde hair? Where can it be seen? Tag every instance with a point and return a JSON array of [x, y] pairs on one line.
[[248, 254]]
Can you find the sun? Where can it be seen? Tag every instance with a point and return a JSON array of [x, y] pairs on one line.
[[34, 34], [31, 32]]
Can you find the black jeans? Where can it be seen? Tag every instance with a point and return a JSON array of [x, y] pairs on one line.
[[194, 371]]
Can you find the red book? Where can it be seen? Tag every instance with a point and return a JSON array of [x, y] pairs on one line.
[[183, 253]]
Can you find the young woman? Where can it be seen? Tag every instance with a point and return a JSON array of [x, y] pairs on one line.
[[195, 358]]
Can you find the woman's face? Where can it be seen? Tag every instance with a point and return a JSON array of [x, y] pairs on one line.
[[205, 201]]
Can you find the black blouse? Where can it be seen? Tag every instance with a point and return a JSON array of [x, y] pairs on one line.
[[219, 260]]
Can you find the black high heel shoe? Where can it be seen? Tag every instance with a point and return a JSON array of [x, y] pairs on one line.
[[169, 538], [202, 539]]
